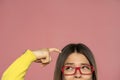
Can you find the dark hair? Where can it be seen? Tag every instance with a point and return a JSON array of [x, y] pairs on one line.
[[66, 51]]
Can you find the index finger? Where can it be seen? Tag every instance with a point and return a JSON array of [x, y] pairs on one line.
[[54, 50]]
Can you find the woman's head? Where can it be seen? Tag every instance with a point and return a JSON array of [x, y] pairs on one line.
[[76, 62]]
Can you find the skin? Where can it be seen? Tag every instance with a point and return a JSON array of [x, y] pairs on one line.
[[76, 60], [43, 55]]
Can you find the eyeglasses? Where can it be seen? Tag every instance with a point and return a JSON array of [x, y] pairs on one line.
[[83, 69]]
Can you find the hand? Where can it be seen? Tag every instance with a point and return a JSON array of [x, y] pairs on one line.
[[43, 55]]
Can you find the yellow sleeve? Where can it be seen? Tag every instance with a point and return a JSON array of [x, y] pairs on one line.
[[18, 69]]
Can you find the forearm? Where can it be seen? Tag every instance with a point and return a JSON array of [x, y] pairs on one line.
[[18, 69]]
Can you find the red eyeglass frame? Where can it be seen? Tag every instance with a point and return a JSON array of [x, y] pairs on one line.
[[78, 68]]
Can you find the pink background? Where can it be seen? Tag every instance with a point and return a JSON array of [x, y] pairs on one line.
[[35, 24]]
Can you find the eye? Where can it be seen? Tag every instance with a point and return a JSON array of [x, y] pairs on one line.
[[68, 68], [86, 67]]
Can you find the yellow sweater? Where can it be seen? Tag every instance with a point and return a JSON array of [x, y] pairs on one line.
[[18, 69]]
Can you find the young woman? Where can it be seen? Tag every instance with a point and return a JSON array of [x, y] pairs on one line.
[[75, 62]]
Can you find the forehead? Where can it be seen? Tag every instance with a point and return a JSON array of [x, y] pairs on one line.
[[76, 59]]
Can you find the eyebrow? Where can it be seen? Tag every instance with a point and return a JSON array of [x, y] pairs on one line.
[[80, 64], [69, 63]]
